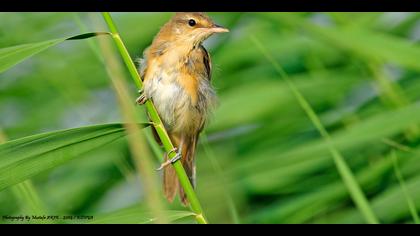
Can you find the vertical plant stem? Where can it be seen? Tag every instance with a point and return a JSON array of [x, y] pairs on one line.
[[157, 151], [122, 165], [344, 170], [221, 177], [2, 136], [157, 123], [94, 47], [410, 202], [140, 152], [392, 94]]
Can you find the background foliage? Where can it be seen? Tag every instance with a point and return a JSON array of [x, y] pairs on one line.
[[261, 159]]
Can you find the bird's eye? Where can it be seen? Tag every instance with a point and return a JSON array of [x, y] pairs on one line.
[[192, 22]]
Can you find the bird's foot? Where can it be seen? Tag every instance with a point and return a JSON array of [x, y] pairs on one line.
[[170, 161], [141, 100]]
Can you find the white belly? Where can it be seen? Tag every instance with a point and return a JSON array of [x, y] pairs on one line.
[[173, 105]]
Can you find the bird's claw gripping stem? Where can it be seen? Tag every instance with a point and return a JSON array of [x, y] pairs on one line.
[[170, 161], [141, 100]]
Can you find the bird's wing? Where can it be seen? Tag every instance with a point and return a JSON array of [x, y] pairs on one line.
[[142, 67], [206, 61], [143, 64]]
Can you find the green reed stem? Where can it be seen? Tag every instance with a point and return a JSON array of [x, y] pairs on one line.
[[221, 178], [409, 199], [344, 170], [157, 122]]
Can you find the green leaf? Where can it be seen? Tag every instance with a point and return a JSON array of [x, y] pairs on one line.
[[11, 56], [408, 198], [369, 45], [345, 171], [360, 135], [390, 205], [372, 46], [136, 215], [26, 157]]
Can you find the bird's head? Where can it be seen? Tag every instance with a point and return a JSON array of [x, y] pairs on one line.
[[192, 27]]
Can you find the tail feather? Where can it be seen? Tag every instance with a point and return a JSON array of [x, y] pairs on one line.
[[171, 184], [188, 162]]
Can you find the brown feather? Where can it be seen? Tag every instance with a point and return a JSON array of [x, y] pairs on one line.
[[206, 61], [170, 182], [170, 179], [188, 147]]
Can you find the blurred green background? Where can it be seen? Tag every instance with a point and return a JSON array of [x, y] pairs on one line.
[[261, 159]]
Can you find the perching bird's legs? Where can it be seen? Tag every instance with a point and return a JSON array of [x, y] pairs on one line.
[[172, 160], [141, 100]]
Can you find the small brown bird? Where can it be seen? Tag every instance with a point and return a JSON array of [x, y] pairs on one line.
[[176, 70]]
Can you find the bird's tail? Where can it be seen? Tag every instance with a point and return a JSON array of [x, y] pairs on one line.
[[171, 184]]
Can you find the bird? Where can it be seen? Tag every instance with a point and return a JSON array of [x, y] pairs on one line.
[[176, 71]]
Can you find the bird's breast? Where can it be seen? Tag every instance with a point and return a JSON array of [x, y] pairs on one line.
[[182, 100]]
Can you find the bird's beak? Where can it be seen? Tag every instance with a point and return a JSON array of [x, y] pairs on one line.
[[218, 29]]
